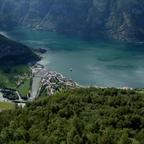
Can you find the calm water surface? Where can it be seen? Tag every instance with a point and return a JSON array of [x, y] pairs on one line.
[[94, 63]]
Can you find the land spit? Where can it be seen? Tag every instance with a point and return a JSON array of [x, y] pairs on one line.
[[52, 81]]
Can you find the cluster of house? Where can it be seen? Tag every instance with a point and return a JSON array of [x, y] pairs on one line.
[[36, 68], [54, 81]]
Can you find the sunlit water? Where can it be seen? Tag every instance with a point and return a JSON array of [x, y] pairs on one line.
[[98, 63]]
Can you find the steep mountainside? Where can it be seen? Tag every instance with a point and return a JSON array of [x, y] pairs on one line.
[[116, 19], [12, 52]]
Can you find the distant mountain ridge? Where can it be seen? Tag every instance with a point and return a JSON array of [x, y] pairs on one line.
[[121, 20], [13, 53]]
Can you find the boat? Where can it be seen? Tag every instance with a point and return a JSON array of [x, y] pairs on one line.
[[70, 69]]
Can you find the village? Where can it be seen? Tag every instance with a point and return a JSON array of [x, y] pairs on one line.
[[51, 81], [42, 79]]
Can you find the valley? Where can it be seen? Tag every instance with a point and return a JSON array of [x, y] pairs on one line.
[[71, 72], [104, 63], [95, 63]]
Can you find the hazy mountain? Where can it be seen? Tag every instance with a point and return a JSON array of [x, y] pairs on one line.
[[12, 52], [121, 20]]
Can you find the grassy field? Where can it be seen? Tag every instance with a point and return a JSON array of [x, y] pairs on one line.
[[6, 106], [24, 88], [10, 75]]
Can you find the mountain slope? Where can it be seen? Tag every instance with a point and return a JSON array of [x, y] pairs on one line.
[[120, 20], [80, 116], [12, 53]]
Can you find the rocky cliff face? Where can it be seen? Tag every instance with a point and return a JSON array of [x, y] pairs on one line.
[[116, 19], [12, 53]]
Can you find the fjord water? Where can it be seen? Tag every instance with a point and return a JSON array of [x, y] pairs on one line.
[[95, 63]]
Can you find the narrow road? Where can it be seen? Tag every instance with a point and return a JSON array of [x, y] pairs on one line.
[[20, 99]]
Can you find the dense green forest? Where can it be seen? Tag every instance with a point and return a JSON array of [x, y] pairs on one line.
[[80, 116]]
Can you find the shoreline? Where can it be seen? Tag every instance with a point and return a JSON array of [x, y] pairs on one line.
[[43, 66], [51, 80], [45, 75]]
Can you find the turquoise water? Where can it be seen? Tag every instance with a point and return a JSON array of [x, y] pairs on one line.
[[94, 63]]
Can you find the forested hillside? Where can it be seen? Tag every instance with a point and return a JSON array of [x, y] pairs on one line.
[[114, 19], [13, 53], [80, 116]]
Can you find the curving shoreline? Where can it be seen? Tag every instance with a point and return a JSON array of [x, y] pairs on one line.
[[40, 70], [50, 80]]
